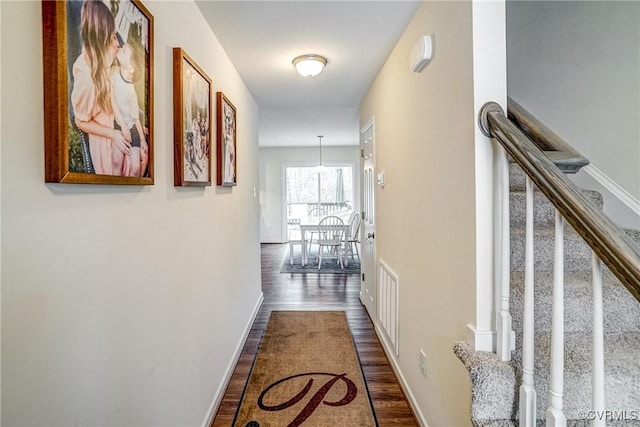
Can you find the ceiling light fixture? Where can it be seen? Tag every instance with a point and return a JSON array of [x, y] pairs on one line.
[[309, 65]]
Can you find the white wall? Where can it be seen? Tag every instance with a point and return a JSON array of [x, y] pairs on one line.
[[303, 124], [271, 189], [425, 223], [575, 66], [121, 305]]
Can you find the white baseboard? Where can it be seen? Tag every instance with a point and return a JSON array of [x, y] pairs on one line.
[[619, 205], [481, 340], [613, 188], [217, 397], [389, 351]]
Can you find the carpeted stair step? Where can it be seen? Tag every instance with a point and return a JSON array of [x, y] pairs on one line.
[[494, 399], [621, 309], [543, 209], [517, 177], [622, 372], [494, 388], [577, 254], [634, 234]]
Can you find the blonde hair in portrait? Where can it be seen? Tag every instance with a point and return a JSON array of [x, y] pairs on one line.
[[97, 30]]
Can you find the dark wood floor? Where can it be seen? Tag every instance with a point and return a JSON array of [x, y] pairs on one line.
[[320, 292]]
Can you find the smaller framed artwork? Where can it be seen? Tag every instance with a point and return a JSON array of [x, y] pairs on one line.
[[192, 95], [226, 146]]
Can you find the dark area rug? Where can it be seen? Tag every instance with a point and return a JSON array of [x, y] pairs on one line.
[[329, 265], [306, 372]]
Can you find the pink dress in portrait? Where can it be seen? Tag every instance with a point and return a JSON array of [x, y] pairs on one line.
[[86, 108]]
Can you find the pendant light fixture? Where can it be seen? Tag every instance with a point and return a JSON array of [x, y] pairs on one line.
[[309, 65], [320, 168]]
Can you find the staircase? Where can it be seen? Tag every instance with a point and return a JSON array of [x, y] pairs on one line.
[[495, 383]]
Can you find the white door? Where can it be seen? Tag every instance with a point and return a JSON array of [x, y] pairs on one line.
[[368, 294]]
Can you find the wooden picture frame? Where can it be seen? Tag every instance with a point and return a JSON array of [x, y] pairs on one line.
[[92, 132], [226, 145], [192, 102]]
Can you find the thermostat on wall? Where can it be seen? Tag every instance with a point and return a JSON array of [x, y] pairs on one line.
[[421, 53]]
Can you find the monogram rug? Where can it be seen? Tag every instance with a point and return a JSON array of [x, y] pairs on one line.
[[306, 372]]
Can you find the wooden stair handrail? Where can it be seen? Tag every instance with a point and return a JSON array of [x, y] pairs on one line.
[[561, 154], [605, 238]]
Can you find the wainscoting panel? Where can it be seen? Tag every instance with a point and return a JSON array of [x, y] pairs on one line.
[[388, 288]]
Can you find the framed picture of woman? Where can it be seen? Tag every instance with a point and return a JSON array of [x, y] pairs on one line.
[[98, 92], [226, 146], [191, 121]]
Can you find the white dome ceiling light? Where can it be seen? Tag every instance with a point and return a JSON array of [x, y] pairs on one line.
[[309, 65]]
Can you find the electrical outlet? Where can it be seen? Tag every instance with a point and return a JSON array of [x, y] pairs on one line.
[[423, 363]]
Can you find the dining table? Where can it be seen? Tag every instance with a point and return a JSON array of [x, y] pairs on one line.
[[310, 225]]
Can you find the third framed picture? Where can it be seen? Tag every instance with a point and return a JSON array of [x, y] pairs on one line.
[[226, 146]]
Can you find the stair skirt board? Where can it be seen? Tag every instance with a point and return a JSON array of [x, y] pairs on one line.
[[495, 384]]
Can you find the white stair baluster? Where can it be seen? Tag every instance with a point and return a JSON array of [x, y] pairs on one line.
[[554, 416], [527, 390], [598, 397], [503, 321]]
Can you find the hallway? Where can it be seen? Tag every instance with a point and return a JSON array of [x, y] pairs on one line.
[[319, 292]]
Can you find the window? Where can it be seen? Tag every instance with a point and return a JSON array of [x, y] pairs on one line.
[[305, 187]]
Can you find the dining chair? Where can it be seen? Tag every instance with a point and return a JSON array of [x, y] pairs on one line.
[[316, 210], [331, 232], [352, 216], [294, 236], [352, 239], [314, 214]]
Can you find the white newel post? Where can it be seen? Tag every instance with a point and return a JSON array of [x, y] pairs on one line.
[[489, 35], [527, 390], [598, 396], [554, 416], [503, 321]]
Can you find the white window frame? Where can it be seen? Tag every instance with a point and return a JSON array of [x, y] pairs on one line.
[[355, 183]]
